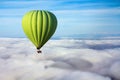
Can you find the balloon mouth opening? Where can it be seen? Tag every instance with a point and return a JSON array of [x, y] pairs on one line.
[[38, 50]]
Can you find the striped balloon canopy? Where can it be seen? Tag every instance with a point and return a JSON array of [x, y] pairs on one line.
[[39, 26]]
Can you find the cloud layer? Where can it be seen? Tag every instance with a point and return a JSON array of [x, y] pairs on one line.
[[60, 60]]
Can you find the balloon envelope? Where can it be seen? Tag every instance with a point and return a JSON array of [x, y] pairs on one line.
[[39, 26]]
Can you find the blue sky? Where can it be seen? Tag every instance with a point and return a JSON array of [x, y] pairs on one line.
[[74, 16]]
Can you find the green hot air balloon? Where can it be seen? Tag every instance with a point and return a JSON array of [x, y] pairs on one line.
[[39, 26]]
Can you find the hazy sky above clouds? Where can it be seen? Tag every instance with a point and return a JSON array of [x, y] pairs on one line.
[[74, 16]]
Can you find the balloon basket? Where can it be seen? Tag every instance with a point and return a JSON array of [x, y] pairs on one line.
[[39, 51]]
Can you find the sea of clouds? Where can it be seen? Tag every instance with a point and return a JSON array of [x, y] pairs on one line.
[[64, 59]]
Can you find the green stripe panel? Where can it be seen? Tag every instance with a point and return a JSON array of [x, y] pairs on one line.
[[39, 29], [39, 26]]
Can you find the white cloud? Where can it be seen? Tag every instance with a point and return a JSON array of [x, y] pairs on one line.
[[115, 71], [91, 11], [60, 60], [83, 76]]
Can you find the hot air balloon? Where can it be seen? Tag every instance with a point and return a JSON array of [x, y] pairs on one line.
[[39, 26]]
